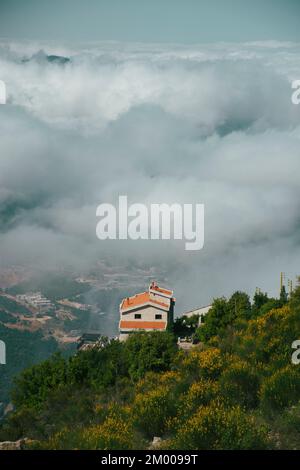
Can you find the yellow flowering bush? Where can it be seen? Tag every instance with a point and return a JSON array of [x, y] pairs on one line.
[[207, 363], [267, 339], [240, 384], [199, 393], [153, 379], [114, 434], [151, 410], [217, 427], [282, 389], [65, 439]]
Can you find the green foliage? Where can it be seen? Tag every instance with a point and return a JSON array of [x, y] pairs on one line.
[[295, 299], [283, 296], [185, 326], [217, 427], [93, 368], [23, 349], [11, 306], [224, 313], [114, 432], [152, 409], [282, 389], [240, 384], [215, 320], [235, 390], [206, 364], [259, 300], [269, 305], [35, 383], [267, 339], [98, 367], [239, 307], [152, 351], [200, 393]]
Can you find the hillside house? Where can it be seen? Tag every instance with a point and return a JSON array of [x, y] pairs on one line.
[[200, 311], [147, 311]]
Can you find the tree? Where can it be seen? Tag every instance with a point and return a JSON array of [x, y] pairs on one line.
[[34, 384], [185, 326], [259, 299], [151, 351], [283, 296], [239, 306], [98, 367], [214, 321], [224, 313], [295, 298]]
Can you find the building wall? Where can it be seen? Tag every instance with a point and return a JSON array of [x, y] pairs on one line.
[[148, 314], [202, 311]]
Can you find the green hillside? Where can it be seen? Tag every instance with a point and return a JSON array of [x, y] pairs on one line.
[[23, 348], [52, 285], [236, 389]]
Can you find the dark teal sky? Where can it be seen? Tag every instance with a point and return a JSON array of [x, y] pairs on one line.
[[182, 21]]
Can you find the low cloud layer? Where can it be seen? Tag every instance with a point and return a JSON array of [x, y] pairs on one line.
[[208, 124]]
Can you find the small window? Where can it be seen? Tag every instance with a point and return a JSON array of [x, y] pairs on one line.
[[158, 316], [137, 316]]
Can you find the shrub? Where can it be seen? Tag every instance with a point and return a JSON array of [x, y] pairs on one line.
[[206, 364], [280, 390], [152, 409], [217, 427], [151, 351], [200, 393], [114, 434], [240, 385]]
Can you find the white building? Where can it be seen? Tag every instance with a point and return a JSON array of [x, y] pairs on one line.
[[36, 300], [201, 311], [147, 311]]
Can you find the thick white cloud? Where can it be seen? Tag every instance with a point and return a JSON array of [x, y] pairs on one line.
[[211, 124]]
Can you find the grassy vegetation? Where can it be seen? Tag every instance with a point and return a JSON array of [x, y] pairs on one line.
[[10, 305], [23, 348], [236, 389]]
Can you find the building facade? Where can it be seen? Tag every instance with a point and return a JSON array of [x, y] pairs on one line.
[[148, 311], [201, 312]]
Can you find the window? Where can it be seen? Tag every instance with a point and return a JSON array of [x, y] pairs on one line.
[[158, 316], [137, 316]]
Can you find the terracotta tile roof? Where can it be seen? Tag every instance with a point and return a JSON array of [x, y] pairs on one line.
[[138, 324], [160, 289], [140, 299]]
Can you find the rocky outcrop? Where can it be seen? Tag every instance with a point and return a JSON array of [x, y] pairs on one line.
[[10, 445], [156, 443]]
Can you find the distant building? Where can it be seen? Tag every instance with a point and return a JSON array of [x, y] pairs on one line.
[[201, 311], [89, 340], [147, 311], [36, 300]]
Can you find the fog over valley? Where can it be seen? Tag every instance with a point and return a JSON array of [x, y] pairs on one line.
[[211, 124]]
